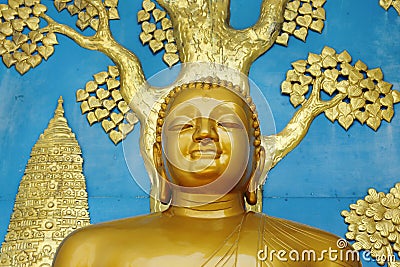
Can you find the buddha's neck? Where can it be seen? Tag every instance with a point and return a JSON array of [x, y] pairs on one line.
[[207, 206]]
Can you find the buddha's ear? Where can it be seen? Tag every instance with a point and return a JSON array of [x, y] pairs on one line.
[[251, 192], [164, 188]]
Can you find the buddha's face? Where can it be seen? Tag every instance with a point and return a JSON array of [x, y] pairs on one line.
[[205, 137]]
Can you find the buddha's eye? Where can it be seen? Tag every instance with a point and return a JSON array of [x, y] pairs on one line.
[[180, 127], [230, 125]]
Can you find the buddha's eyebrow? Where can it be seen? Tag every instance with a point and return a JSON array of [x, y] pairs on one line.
[[189, 110]]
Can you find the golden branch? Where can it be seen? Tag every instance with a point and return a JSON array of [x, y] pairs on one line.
[[297, 128], [263, 34], [205, 38]]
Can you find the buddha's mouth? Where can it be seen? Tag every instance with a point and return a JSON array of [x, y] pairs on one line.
[[205, 154]]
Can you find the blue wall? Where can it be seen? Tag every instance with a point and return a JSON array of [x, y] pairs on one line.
[[329, 170]]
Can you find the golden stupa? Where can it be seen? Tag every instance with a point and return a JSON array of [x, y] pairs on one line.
[[52, 199]]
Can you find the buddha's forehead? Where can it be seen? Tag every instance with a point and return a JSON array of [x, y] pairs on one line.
[[207, 100]]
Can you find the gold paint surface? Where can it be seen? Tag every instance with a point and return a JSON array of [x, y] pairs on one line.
[[374, 225], [197, 122], [51, 201], [386, 4], [365, 96]]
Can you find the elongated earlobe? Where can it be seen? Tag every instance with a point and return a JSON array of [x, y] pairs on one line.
[[164, 190], [251, 192]]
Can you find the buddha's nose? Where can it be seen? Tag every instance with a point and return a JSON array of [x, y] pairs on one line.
[[205, 131]]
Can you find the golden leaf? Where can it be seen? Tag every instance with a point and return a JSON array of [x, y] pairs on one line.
[[158, 14], [148, 5], [38, 9], [317, 25], [18, 25], [34, 60], [293, 6], [282, 39], [301, 34], [116, 117], [101, 113], [332, 114], [91, 117], [24, 12], [100, 78], [156, 45], [81, 95], [385, 3], [305, 9], [346, 121], [159, 35], [319, 13], [171, 48], [35, 36], [289, 15], [102, 94], [113, 71], [387, 100], [313, 58], [289, 27], [296, 99], [33, 23], [91, 86], [107, 125], [19, 38], [384, 87], [166, 24], [8, 60], [170, 59], [85, 107], [148, 27], [388, 114], [318, 3], [94, 102], [344, 57], [374, 122], [304, 21], [145, 37], [125, 128], [115, 136], [123, 107], [131, 118], [286, 87], [46, 51], [329, 86], [113, 13], [116, 95], [22, 67], [112, 84], [357, 103], [29, 48], [329, 61], [109, 104], [375, 74], [50, 39], [142, 15], [362, 116], [361, 66], [300, 66], [6, 28], [367, 83]]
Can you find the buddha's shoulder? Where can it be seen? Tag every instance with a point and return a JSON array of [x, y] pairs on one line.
[[302, 240], [281, 229], [108, 231]]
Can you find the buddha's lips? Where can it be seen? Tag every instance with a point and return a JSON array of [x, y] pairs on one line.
[[205, 154]]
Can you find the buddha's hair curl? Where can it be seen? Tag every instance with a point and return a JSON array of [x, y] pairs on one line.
[[210, 83]]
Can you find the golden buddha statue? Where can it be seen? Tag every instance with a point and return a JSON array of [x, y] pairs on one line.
[[209, 159]]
